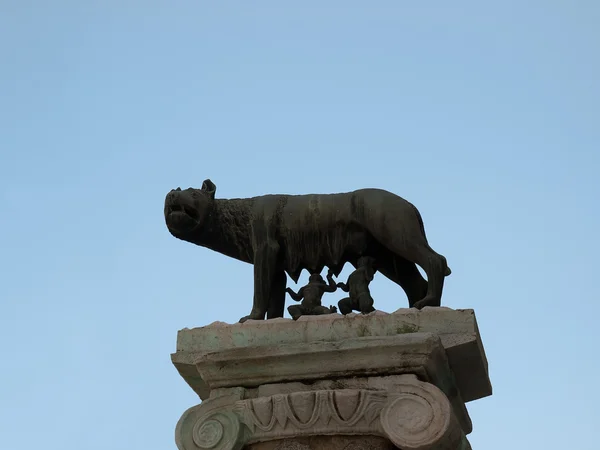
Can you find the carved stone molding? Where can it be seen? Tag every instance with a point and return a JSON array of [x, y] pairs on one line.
[[418, 416], [420, 354], [312, 413]]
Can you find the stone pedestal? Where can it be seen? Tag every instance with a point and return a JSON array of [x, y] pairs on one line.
[[357, 382]]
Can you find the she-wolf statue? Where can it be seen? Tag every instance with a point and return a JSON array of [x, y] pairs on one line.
[[282, 234]]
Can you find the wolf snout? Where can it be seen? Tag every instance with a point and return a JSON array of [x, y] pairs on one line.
[[173, 195]]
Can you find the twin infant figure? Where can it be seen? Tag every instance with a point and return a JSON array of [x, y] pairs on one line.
[[357, 286]]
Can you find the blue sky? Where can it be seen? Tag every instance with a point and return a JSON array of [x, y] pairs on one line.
[[483, 114]]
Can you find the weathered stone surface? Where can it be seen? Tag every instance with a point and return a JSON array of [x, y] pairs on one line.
[[457, 331], [415, 416], [326, 443], [251, 367]]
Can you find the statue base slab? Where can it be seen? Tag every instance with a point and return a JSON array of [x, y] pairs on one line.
[[375, 381]]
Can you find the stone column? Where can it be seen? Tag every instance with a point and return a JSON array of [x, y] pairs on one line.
[[357, 382]]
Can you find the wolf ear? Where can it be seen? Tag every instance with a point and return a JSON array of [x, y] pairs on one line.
[[209, 188]]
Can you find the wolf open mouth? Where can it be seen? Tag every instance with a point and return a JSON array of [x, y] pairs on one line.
[[183, 209]]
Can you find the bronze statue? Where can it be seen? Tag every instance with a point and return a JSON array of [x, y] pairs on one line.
[[289, 233], [358, 287], [311, 296]]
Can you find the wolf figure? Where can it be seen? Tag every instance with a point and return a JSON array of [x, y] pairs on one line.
[[282, 234]]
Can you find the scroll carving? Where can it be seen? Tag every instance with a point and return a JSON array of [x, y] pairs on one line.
[[212, 425], [420, 417]]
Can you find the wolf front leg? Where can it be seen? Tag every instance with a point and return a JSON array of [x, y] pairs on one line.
[[277, 300], [265, 274]]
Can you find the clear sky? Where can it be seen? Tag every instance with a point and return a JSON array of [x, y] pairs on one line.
[[485, 115]]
